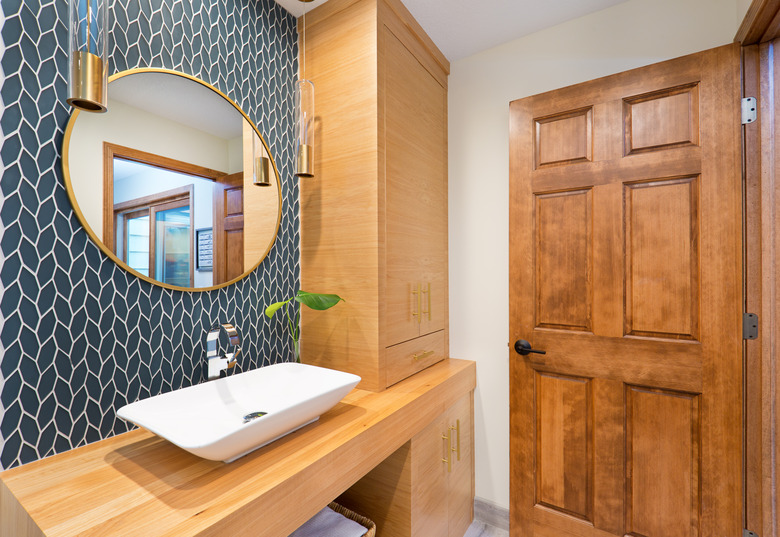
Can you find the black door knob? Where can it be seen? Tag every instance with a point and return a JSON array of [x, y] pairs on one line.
[[523, 348]]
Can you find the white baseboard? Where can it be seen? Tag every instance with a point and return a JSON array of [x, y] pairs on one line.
[[492, 514]]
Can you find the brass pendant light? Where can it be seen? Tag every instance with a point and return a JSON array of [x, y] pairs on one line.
[[262, 171], [261, 164], [88, 60], [304, 115]]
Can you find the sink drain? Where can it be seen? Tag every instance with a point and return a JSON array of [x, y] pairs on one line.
[[253, 416]]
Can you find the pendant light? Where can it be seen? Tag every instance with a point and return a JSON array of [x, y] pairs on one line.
[[261, 164], [88, 60], [262, 171], [304, 116]]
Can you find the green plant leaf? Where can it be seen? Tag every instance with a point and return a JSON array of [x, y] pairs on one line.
[[273, 308], [317, 301]]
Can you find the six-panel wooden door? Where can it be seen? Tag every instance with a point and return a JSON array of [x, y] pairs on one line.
[[626, 268]]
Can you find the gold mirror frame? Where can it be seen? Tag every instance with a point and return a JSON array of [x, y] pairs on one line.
[[94, 237]]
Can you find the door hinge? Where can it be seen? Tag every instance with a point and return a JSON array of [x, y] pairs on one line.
[[749, 326], [749, 110], [748, 533]]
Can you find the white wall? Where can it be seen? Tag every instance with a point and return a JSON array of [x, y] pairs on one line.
[[632, 34]]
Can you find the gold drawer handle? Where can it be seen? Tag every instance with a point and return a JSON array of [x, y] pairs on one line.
[[457, 436], [422, 355], [447, 450]]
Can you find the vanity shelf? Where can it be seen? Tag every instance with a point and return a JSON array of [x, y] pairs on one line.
[[137, 484]]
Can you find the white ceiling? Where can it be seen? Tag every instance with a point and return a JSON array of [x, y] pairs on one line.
[[179, 99], [461, 28]]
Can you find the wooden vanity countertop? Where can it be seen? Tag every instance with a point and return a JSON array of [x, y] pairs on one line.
[[137, 484]]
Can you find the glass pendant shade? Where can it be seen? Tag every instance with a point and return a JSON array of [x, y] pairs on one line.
[[304, 128], [88, 55]]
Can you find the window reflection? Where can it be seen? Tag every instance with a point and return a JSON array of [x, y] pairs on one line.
[[154, 220]]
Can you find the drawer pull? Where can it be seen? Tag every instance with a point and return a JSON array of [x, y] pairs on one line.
[[422, 355], [447, 450], [457, 438]]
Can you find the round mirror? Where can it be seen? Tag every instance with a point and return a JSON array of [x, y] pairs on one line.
[[174, 182]]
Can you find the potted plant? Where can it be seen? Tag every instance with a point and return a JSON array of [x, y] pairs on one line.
[[316, 301]]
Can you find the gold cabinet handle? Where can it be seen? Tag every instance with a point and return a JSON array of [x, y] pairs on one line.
[[428, 292], [447, 450], [457, 438], [417, 313], [424, 354]]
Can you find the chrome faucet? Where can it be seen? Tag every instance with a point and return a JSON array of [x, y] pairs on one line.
[[217, 363]]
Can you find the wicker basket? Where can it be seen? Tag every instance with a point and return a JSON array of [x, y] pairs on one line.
[[363, 521]]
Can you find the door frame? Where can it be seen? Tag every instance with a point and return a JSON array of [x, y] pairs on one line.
[[758, 35], [762, 293]]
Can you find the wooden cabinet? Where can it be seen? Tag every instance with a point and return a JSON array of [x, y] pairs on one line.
[[426, 488], [374, 217]]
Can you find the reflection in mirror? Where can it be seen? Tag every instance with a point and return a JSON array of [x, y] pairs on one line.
[[164, 181]]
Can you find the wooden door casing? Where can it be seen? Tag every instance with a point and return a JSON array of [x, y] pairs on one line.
[[625, 266], [761, 68]]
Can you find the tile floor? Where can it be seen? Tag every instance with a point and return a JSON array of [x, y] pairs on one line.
[[480, 529]]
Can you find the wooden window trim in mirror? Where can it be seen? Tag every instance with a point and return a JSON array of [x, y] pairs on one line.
[[112, 151], [177, 197]]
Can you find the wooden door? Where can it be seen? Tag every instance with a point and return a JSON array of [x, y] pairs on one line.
[[228, 259], [416, 194], [625, 267]]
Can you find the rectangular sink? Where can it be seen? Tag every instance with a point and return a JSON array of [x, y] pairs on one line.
[[227, 418]]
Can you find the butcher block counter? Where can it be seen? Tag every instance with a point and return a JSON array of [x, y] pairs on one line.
[[137, 484]]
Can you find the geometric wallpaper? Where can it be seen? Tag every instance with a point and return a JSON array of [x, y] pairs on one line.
[[79, 336]]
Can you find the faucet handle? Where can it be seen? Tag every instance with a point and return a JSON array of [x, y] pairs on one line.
[[217, 363], [230, 358], [231, 333]]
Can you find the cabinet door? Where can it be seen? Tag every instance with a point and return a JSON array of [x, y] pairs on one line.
[[460, 498], [416, 195], [429, 492]]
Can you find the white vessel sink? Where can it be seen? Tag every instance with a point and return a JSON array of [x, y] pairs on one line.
[[226, 418]]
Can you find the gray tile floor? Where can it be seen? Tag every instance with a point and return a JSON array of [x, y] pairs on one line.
[[480, 529]]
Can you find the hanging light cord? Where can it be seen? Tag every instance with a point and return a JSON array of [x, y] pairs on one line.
[[89, 24], [304, 41]]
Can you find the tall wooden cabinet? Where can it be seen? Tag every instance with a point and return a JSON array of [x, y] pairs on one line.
[[374, 217], [426, 488]]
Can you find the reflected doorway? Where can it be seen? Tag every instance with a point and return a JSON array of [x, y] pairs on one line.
[[153, 206]]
